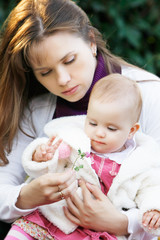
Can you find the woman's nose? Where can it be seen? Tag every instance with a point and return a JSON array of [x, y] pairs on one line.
[[63, 77]]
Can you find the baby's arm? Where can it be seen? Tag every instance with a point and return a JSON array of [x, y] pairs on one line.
[[151, 219], [45, 152]]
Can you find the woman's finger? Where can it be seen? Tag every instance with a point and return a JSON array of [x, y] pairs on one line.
[[86, 195], [89, 191], [70, 216], [60, 179], [78, 199], [72, 208], [69, 189], [66, 179]]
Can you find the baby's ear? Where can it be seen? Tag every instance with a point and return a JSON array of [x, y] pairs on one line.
[[133, 130]]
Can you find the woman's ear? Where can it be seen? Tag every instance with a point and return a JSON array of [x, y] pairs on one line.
[[93, 43], [94, 49], [133, 130]]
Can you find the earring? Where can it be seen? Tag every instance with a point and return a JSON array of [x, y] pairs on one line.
[[95, 52]]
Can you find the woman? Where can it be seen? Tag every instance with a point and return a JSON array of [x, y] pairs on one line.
[[50, 47]]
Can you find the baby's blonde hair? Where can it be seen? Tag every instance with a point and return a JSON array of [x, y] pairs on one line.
[[116, 87]]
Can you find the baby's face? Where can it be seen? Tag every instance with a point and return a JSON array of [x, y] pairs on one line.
[[108, 126]]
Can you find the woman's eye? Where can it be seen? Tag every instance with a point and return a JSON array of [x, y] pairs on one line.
[[43, 74], [70, 60]]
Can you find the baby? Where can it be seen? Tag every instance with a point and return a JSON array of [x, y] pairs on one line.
[[127, 165]]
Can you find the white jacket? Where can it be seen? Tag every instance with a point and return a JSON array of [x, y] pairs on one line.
[[137, 184], [12, 176], [70, 129]]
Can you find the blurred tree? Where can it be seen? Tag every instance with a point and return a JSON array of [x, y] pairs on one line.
[[5, 8], [131, 28]]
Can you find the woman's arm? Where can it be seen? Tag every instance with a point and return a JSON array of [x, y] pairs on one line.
[[12, 176]]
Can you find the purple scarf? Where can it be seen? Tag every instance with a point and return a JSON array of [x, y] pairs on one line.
[[65, 108]]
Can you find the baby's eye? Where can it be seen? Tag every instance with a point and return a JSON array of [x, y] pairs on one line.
[[92, 124], [112, 129], [43, 74]]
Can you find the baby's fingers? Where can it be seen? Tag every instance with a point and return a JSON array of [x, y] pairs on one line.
[[157, 225], [41, 154], [151, 220], [51, 140], [56, 145], [53, 147], [146, 219], [43, 149]]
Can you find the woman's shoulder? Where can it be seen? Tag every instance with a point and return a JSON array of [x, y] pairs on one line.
[[43, 106], [138, 74], [43, 101], [40, 111]]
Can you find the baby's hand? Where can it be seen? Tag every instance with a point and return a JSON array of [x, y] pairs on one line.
[[151, 219], [45, 152]]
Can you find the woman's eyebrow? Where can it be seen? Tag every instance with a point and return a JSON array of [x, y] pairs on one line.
[[40, 68], [66, 55]]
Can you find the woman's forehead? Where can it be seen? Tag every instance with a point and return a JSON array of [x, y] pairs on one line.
[[36, 54], [55, 47]]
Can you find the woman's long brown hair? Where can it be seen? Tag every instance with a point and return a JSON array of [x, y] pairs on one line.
[[30, 22]]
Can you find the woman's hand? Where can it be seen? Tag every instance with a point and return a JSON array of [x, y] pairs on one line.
[[96, 213], [47, 189]]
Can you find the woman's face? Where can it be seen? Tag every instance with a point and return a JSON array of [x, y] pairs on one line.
[[64, 64]]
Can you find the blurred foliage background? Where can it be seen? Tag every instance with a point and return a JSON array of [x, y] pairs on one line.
[[131, 27]]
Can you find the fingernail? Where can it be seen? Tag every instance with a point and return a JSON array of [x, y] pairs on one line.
[[79, 181], [89, 184]]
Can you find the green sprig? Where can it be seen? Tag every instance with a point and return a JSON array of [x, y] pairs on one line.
[[81, 156]]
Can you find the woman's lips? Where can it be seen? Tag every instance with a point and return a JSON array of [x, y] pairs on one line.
[[70, 91]]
